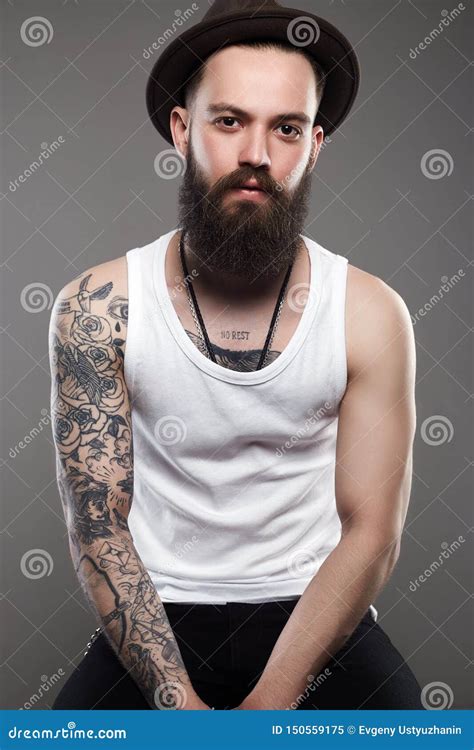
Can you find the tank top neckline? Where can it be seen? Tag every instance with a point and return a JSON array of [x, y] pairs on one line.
[[163, 299]]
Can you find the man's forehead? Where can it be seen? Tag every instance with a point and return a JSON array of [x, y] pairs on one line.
[[282, 80]]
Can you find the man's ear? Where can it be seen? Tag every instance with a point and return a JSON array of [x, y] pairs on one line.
[[316, 142], [179, 119]]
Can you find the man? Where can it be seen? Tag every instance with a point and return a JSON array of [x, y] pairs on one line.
[[234, 409]]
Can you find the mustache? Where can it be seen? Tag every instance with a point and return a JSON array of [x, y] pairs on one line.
[[236, 178]]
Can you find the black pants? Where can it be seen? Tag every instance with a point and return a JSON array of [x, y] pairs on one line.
[[225, 649]]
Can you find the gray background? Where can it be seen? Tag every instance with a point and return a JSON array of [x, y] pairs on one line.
[[99, 195]]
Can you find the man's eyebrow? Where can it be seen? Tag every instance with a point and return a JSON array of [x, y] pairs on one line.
[[214, 109]]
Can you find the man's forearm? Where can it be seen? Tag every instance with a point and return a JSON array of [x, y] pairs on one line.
[[328, 612], [134, 620]]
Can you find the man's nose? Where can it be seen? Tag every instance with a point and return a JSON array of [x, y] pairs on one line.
[[254, 149]]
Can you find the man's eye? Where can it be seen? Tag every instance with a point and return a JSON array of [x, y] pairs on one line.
[[225, 120], [295, 132]]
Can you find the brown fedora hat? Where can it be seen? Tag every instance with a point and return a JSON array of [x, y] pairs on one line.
[[233, 21]]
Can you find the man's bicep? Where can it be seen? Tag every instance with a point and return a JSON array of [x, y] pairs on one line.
[[377, 422], [90, 408]]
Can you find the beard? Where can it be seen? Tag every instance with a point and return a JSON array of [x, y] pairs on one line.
[[244, 238]]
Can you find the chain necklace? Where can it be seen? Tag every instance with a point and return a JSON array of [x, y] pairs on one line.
[[201, 328]]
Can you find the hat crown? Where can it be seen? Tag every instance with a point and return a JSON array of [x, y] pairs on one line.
[[227, 7]]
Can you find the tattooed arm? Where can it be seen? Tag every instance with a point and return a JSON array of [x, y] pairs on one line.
[[90, 411]]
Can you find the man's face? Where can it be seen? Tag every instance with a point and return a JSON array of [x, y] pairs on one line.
[[251, 120]]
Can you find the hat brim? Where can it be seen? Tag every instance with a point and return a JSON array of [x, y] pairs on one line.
[[331, 50]]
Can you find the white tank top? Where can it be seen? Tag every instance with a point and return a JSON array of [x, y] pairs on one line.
[[233, 494]]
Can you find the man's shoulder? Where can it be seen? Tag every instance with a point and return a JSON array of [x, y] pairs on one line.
[[111, 272], [369, 294], [377, 318], [96, 299]]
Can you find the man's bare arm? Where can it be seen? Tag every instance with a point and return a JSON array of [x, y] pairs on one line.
[[373, 480], [91, 415]]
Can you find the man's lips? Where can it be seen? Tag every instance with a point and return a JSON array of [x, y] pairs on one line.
[[250, 185], [250, 193], [250, 189]]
